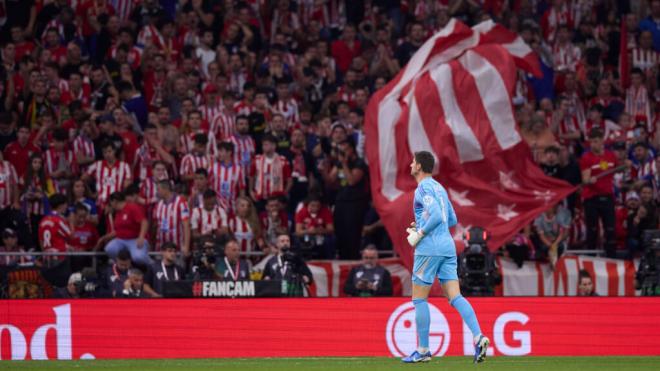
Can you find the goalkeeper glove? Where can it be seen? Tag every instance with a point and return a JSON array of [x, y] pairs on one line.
[[413, 236]]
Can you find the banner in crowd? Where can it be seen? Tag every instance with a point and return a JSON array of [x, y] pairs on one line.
[[454, 99], [211, 328], [611, 277], [330, 276]]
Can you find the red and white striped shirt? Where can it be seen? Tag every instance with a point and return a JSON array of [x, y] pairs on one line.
[[109, 178], [64, 160], [149, 191], [124, 8], [288, 109], [207, 222], [227, 180], [8, 180], [169, 217], [191, 162], [565, 57], [244, 149], [242, 232], [210, 111], [644, 59], [638, 104], [223, 126], [83, 146], [566, 126], [270, 175]]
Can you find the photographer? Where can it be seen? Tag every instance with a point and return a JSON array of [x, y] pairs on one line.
[[288, 266], [369, 278], [204, 260], [80, 285], [232, 267]]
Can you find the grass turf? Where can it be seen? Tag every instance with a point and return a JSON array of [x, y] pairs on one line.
[[366, 364]]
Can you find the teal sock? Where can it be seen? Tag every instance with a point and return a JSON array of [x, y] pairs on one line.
[[423, 321], [467, 313]]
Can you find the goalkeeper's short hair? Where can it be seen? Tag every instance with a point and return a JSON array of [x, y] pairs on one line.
[[425, 160]]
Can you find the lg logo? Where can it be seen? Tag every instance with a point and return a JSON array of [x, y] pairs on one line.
[[62, 328], [401, 333]]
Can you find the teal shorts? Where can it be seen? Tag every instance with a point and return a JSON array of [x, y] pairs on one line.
[[427, 268]]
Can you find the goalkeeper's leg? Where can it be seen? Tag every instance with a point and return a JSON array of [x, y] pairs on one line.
[[449, 280], [453, 293]]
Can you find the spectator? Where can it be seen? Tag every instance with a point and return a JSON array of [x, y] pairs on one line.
[[133, 102], [650, 23], [585, 284], [19, 152], [197, 158], [164, 270], [314, 228], [84, 234], [347, 48], [110, 175], [54, 231], [598, 193], [130, 227], [208, 219], [10, 244], [80, 193], [232, 267], [369, 278], [273, 219], [60, 161], [245, 226], [270, 174], [171, 218], [226, 177], [552, 229], [36, 189], [302, 165], [349, 175]]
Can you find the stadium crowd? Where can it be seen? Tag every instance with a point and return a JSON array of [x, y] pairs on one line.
[[129, 126]]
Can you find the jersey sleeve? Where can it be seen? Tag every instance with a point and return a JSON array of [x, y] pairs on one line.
[[434, 208]]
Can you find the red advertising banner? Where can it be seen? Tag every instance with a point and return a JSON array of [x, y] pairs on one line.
[[196, 328]]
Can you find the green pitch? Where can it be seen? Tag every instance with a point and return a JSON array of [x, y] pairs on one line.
[[366, 364]]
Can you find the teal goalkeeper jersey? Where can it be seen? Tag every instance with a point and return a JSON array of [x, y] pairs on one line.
[[434, 215]]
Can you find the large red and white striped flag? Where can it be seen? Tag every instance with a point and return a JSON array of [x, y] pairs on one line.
[[454, 99]]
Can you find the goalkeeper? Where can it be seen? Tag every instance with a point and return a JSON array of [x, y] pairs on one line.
[[435, 255]]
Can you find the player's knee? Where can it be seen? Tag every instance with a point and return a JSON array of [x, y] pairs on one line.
[[418, 300], [452, 300]]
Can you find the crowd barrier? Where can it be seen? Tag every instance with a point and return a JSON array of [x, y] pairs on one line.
[[206, 328]]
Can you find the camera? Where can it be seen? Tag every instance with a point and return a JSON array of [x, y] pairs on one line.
[[648, 272], [476, 266], [87, 285], [204, 258]]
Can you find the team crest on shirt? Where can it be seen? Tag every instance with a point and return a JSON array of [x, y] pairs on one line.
[[603, 165], [427, 200]]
